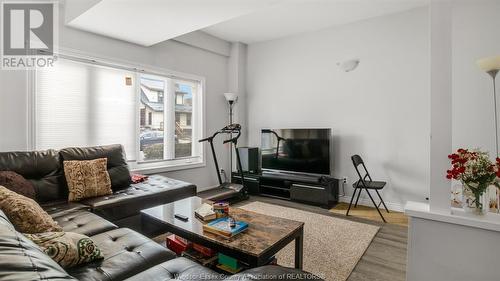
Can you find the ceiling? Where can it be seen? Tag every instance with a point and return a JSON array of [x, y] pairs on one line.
[[286, 18], [147, 22]]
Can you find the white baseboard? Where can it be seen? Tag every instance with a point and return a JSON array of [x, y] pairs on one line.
[[346, 199], [367, 202]]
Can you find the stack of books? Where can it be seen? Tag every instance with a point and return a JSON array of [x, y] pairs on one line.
[[177, 244], [205, 212], [201, 254], [229, 264], [223, 227], [204, 250]]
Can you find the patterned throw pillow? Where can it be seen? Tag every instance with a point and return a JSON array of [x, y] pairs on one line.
[[88, 178], [25, 214], [17, 183], [67, 248]]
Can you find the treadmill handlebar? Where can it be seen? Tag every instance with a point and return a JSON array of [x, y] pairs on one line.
[[206, 139], [229, 129]]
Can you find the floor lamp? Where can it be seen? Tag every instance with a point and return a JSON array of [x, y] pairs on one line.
[[491, 65], [231, 99]]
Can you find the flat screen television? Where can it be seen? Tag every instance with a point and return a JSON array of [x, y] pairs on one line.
[[296, 150]]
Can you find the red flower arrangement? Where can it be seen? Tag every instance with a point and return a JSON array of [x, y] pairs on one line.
[[475, 170]]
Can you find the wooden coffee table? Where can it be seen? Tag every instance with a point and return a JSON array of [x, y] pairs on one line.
[[265, 236]]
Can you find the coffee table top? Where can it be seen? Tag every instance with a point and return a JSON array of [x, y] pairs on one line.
[[263, 232]]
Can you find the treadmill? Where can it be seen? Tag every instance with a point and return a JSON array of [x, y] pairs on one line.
[[227, 191]]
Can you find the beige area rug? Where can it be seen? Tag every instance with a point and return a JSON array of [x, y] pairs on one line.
[[332, 246]]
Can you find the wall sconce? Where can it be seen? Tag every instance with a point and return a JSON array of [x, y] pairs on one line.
[[348, 65]]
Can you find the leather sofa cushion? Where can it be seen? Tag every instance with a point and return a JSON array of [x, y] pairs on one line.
[[126, 253], [57, 207], [185, 269], [21, 259], [273, 273], [155, 191], [117, 163], [82, 222], [179, 269], [42, 168]]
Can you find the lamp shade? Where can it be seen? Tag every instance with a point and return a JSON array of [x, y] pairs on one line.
[[489, 64], [231, 97]]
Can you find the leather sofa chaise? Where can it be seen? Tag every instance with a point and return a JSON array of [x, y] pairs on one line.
[[128, 255], [44, 169]]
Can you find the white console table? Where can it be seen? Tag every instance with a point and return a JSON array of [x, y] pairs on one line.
[[452, 246]]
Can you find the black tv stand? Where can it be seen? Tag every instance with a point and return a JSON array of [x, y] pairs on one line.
[[311, 189]]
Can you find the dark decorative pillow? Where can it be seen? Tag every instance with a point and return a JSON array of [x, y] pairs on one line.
[[68, 249], [17, 183], [87, 178], [25, 214]]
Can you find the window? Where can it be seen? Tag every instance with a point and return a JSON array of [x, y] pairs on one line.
[[183, 113], [179, 98], [150, 119], [83, 104], [143, 117]]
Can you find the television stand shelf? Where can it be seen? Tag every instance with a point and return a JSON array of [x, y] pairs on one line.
[[310, 189]]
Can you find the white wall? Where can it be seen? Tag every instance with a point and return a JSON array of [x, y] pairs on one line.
[[380, 110], [171, 55], [475, 35]]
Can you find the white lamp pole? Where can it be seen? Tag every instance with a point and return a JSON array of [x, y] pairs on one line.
[[231, 98], [491, 66]]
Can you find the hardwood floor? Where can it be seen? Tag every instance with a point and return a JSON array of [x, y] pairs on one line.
[[370, 213], [385, 258]]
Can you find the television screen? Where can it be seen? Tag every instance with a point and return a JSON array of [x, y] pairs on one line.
[[296, 150]]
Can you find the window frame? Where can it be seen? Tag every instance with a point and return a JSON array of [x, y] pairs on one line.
[[149, 167]]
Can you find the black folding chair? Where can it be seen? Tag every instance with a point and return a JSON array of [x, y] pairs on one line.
[[365, 182]]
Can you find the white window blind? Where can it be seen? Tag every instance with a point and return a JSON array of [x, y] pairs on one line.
[[79, 104]]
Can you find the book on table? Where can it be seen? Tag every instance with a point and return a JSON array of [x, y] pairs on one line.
[[222, 227], [205, 212], [229, 264], [176, 245]]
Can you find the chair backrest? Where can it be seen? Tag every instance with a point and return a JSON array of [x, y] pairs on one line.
[[357, 161]]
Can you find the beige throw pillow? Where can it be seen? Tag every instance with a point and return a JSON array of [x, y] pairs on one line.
[[68, 249], [88, 178], [25, 214]]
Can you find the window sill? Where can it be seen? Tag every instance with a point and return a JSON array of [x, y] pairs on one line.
[[167, 168]]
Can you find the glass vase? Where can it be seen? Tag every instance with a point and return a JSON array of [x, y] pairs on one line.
[[474, 203]]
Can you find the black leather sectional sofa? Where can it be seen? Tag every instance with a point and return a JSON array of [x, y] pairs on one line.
[[128, 254], [45, 170]]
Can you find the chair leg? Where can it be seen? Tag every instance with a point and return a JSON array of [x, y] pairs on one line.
[[354, 194], [357, 199], [375, 204], [382, 200]]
